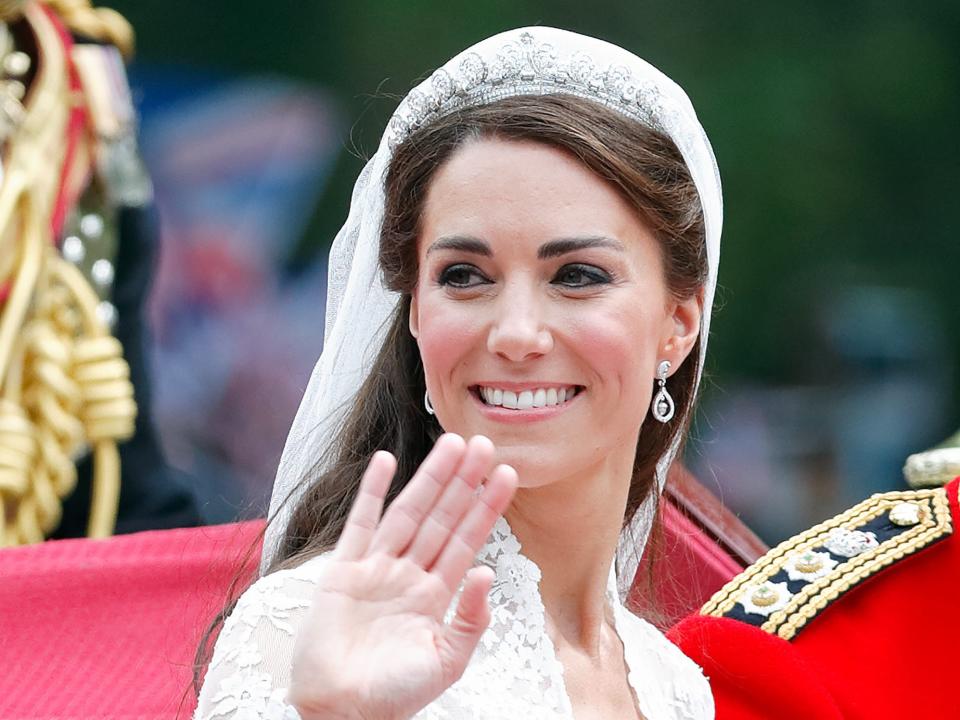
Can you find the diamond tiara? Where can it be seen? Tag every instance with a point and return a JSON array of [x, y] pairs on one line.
[[530, 67]]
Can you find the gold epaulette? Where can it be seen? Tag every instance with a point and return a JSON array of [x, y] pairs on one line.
[[796, 580]]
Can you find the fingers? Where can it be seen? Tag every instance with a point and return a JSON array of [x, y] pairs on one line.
[[403, 517], [469, 536], [365, 514], [471, 619], [458, 495]]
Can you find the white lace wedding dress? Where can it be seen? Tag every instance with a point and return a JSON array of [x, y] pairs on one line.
[[514, 672]]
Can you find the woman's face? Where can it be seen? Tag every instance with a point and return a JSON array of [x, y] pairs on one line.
[[541, 309]]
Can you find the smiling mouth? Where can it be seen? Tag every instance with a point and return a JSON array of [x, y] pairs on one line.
[[526, 399]]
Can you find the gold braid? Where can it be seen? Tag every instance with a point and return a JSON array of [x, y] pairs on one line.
[[102, 24], [64, 385]]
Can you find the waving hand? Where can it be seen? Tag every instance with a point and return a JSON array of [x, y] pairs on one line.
[[375, 645]]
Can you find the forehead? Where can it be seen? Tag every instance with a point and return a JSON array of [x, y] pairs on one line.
[[496, 188]]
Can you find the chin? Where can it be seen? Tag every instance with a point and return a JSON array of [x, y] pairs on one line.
[[542, 457], [538, 467]]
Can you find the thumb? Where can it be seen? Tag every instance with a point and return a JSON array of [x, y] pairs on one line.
[[461, 636]]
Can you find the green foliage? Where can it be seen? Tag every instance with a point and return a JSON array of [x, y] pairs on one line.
[[834, 125]]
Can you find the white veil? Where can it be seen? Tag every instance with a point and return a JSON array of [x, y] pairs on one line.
[[527, 61]]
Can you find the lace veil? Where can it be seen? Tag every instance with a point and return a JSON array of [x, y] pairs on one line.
[[526, 61]]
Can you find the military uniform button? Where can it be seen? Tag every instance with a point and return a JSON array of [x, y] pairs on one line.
[[73, 249], [905, 514], [102, 272], [16, 63], [107, 314], [91, 225]]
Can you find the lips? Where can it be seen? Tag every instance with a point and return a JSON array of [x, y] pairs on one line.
[[526, 399]]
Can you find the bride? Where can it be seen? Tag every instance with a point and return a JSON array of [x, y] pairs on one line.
[[529, 263]]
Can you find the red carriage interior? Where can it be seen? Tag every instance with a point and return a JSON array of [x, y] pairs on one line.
[[108, 628]]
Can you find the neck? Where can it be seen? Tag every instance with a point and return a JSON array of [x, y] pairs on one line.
[[570, 529]]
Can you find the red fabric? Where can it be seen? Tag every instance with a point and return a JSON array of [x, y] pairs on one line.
[[754, 675], [886, 649], [108, 628]]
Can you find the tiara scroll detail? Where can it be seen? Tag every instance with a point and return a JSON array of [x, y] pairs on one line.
[[530, 67]]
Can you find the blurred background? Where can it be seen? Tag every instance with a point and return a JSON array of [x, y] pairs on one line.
[[835, 341]]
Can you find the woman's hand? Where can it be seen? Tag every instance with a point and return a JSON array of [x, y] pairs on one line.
[[375, 645]]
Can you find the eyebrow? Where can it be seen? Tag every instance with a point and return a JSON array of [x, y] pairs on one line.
[[562, 246], [463, 243], [551, 249]]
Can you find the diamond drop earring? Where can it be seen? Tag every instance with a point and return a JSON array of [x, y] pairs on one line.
[[663, 407], [426, 403]]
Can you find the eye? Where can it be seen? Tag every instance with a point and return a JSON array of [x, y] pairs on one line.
[[462, 275], [577, 275]]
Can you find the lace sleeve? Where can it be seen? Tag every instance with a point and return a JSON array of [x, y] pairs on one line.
[[249, 673]]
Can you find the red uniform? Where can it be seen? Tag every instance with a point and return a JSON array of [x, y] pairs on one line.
[[858, 617]]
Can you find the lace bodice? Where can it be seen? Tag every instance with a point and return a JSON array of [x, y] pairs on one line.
[[514, 672]]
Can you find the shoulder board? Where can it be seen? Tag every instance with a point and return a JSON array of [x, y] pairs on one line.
[[790, 585]]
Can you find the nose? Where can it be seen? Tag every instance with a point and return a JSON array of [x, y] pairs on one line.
[[518, 331]]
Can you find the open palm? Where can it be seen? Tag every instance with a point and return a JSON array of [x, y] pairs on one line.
[[375, 644]]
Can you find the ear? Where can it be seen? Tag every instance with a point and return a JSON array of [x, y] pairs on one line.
[[414, 318], [681, 329]]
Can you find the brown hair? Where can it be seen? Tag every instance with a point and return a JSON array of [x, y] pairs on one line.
[[642, 163], [388, 413]]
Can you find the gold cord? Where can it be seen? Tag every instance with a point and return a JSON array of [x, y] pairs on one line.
[[67, 387], [64, 385], [101, 24]]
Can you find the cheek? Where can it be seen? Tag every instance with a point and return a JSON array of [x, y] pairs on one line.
[[620, 348], [447, 333]]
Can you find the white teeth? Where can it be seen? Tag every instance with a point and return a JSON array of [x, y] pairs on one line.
[[527, 399]]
